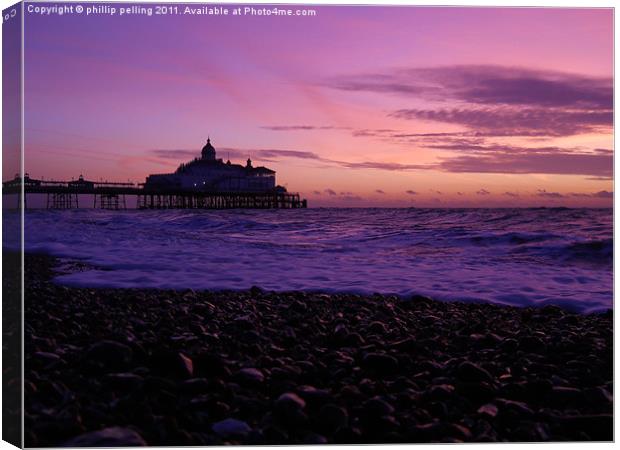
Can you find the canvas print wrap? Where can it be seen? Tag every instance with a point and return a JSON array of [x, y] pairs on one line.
[[306, 224]]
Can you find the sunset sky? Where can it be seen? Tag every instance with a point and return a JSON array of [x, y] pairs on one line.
[[357, 106]]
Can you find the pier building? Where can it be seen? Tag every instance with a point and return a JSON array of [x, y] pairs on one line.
[[208, 173]]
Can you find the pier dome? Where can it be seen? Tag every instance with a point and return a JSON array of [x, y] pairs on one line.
[[208, 151]]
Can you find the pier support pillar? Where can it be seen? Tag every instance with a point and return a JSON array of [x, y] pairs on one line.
[[110, 201], [62, 200]]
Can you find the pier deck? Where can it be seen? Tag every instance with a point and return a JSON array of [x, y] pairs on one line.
[[64, 195]]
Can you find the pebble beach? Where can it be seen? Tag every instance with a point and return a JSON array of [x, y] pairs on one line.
[[125, 367]]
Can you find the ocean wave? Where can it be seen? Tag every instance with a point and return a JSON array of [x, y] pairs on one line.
[[596, 251], [509, 256], [512, 238]]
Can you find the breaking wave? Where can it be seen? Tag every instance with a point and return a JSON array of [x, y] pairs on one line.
[[510, 256]]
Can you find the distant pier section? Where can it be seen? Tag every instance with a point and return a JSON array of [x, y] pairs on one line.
[[203, 183]]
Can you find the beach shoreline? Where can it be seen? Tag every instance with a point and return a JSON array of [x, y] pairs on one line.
[[132, 366]]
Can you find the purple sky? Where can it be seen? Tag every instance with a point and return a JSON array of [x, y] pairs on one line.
[[356, 106]]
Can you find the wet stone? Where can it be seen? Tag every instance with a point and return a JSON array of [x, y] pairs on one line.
[[108, 437], [519, 408], [195, 386], [313, 396], [124, 381], [406, 345], [376, 407], [289, 402], [250, 375], [47, 357], [110, 354], [377, 327], [315, 439], [440, 392], [468, 371], [172, 364], [566, 395], [489, 410], [231, 428]]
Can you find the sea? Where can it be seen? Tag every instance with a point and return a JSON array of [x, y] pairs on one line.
[[520, 257]]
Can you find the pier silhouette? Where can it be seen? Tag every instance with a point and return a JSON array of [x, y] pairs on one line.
[[113, 195]]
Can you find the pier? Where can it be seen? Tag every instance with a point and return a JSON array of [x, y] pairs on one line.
[[112, 195]]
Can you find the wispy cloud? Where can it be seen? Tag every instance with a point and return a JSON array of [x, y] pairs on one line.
[[492, 101], [483, 192], [544, 193], [511, 121], [351, 198], [381, 132], [496, 100], [380, 191], [302, 127], [525, 160], [271, 154], [486, 84], [599, 194], [346, 196], [410, 192], [175, 154], [603, 194], [240, 153], [391, 166]]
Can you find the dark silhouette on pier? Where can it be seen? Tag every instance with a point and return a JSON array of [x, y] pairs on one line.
[[203, 183], [107, 195]]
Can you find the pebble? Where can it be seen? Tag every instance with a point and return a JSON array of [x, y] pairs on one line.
[[441, 392], [381, 363], [377, 327], [110, 354], [377, 407], [108, 437], [195, 386], [250, 375], [124, 381], [313, 396], [489, 410], [47, 357], [567, 395], [289, 402], [468, 371], [231, 428]]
